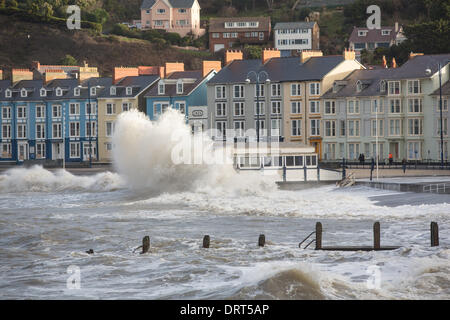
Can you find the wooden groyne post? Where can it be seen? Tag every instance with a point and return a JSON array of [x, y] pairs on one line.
[[261, 240], [206, 241], [434, 234], [145, 244], [376, 236], [318, 236]]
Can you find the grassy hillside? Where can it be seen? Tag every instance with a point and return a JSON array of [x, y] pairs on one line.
[[23, 42]]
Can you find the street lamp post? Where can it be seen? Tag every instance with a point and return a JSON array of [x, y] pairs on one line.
[[258, 89]]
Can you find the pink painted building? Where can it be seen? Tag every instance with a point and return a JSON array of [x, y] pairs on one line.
[[180, 16]]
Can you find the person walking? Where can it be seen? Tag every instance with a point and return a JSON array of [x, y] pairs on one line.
[[391, 158], [404, 165]]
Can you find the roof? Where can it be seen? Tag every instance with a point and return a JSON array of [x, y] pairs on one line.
[[137, 83], [147, 4], [445, 90], [295, 25], [373, 35], [191, 80], [417, 66], [278, 69], [218, 24]]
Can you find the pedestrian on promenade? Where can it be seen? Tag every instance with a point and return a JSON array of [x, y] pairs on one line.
[[361, 158], [391, 158], [404, 165]]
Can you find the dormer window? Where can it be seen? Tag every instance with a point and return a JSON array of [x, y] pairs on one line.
[[58, 92], [161, 87], [362, 33], [76, 92], [8, 93], [359, 86], [23, 93], [112, 91], [93, 91], [43, 92], [179, 86], [129, 91], [335, 87], [383, 86], [385, 32]]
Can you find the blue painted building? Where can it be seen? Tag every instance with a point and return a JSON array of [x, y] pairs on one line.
[[49, 121], [180, 90]]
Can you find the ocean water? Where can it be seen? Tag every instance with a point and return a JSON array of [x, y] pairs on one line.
[[48, 220]]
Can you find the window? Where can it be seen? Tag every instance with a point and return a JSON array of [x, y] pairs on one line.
[[276, 90], [161, 11], [158, 23], [414, 150], [330, 107], [259, 90], [415, 105], [6, 150], [259, 108], [161, 87], [110, 109], [239, 128], [113, 91], [382, 86], [295, 89], [40, 112], [126, 106], [179, 86], [362, 33], [56, 111], [353, 107], [59, 92], [359, 86], [181, 106], [276, 107], [353, 150], [109, 146], [40, 131], [110, 126], [314, 106], [6, 131], [57, 131], [377, 131], [444, 124], [414, 87], [74, 109], [220, 92], [6, 113], [91, 130], [238, 91], [40, 150], [315, 127], [8, 93], [181, 10], [330, 128], [21, 131], [385, 32], [395, 127], [261, 36], [21, 112], [330, 151], [261, 124], [43, 92], [314, 89], [396, 106], [353, 128], [221, 127], [226, 35], [91, 109], [23, 93], [74, 129], [394, 87], [445, 103], [296, 127], [296, 107], [129, 91], [343, 132], [76, 92], [74, 149], [238, 108], [216, 35], [377, 106], [415, 127], [275, 127], [221, 109]]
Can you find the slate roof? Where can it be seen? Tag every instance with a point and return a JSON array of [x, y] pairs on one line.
[[445, 90], [294, 25], [218, 24], [278, 69], [137, 83], [373, 35], [171, 89], [147, 4]]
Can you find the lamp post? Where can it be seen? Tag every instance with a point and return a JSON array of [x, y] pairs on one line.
[[258, 89]]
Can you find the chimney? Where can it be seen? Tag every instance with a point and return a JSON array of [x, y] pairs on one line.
[[173, 67], [208, 66], [121, 72], [231, 55], [21, 74], [35, 65], [349, 54], [270, 53], [1, 74], [54, 74], [384, 62], [151, 70], [394, 63], [412, 55], [306, 54]]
